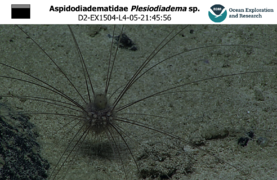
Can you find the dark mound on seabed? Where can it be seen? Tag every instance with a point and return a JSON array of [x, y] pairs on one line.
[[19, 151]]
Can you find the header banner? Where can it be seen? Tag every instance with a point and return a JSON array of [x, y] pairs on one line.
[[141, 12]]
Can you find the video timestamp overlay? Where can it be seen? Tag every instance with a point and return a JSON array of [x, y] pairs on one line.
[[196, 12], [109, 10]]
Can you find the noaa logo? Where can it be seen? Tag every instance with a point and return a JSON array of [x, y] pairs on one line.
[[219, 13]]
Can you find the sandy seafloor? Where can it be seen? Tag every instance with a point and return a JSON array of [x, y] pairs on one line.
[[219, 107]]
